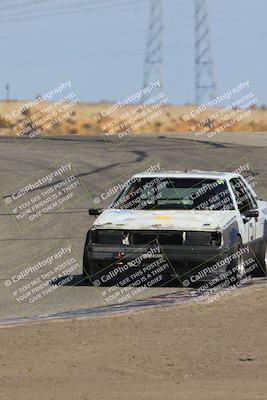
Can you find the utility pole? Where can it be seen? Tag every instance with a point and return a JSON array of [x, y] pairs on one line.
[[154, 47], [205, 86]]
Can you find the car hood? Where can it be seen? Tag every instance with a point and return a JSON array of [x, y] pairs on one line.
[[164, 220]]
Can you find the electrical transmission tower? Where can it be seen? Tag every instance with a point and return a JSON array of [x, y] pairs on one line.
[[7, 91], [205, 86], [154, 47]]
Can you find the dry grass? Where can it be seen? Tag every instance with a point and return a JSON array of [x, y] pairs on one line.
[[81, 119]]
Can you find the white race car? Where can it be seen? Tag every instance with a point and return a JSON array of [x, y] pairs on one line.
[[201, 221]]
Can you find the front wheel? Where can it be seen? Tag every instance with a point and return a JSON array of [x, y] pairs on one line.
[[237, 265], [86, 268], [261, 260]]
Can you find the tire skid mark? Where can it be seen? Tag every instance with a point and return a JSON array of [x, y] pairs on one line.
[[178, 297], [160, 300]]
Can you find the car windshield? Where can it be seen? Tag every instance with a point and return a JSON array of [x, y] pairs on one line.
[[175, 194]]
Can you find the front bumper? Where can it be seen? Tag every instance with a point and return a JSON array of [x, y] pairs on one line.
[[184, 262]]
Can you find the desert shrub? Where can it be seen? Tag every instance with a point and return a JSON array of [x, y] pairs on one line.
[[3, 123]]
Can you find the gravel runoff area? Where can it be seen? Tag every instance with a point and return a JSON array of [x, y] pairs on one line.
[[196, 351]]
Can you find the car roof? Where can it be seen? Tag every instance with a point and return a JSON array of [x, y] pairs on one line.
[[188, 174]]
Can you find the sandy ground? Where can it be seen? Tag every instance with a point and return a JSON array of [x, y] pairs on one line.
[[195, 351]]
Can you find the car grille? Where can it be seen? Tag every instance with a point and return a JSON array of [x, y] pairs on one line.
[[178, 238]]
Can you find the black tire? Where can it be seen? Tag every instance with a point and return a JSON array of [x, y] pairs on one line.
[[237, 264], [261, 260], [86, 268]]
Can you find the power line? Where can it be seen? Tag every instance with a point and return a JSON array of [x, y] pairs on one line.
[[57, 7], [99, 6], [23, 4]]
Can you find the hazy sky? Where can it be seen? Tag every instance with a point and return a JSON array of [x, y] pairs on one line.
[[102, 50]]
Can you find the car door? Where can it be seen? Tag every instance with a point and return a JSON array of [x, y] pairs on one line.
[[261, 221], [245, 203]]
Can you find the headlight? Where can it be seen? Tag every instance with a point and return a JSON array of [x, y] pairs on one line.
[[203, 239], [107, 236], [216, 238], [93, 236]]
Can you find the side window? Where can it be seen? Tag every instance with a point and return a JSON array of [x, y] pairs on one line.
[[253, 199], [242, 195]]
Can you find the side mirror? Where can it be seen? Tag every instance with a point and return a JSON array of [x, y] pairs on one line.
[[95, 211], [251, 214]]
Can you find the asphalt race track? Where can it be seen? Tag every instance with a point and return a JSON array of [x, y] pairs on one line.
[[100, 166]]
